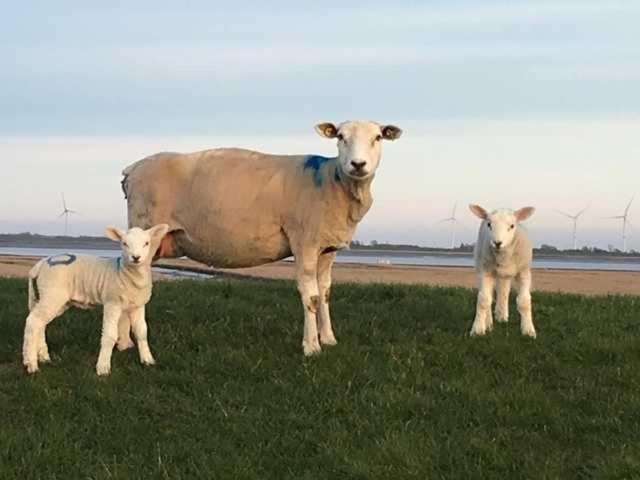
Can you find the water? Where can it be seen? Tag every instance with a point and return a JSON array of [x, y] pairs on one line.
[[382, 257]]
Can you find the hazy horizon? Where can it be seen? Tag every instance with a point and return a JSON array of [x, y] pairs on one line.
[[503, 104]]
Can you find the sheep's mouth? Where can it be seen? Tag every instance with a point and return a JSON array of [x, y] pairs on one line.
[[358, 174]]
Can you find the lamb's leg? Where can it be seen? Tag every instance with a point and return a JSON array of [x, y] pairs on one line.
[[324, 289], [524, 304], [110, 318], [139, 326], [307, 279], [484, 319], [124, 329], [46, 310], [503, 286]]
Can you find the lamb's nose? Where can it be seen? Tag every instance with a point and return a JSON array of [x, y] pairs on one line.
[[135, 258], [358, 165], [497, 244]]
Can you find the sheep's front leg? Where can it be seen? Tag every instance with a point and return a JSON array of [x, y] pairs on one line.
[[484, 320], [139, 327], [524, 304], [503, 286], [325, 263], [124, 335], [306, 276], [110, 318]]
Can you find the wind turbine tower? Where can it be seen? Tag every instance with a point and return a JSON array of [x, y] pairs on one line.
[[65, 212], [453, 221], [625, 223]]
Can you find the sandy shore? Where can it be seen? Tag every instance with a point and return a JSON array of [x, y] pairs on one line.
[[587, 282]]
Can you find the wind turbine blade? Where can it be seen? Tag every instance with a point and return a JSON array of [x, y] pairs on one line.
[[582, 211], [626, 210], [73, 211], [563, 213], [453, 214], [64, 203], [444, 220], [62, 214], [613, 218]]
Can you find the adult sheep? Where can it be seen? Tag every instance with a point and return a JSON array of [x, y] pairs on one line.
[[235, 208]]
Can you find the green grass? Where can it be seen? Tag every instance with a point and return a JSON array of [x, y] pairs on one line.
[[405, 393]]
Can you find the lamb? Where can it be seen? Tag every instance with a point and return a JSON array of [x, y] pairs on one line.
[[122, 285], [503, 253], [234, 208]]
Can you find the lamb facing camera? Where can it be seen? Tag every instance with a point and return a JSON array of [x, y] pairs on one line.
[[122, 285]]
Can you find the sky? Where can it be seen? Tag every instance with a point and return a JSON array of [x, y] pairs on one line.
[[504, 104]]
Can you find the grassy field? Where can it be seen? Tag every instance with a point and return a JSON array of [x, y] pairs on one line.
[[405, 394]]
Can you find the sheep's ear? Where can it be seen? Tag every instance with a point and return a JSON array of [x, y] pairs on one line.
[[114, 233], [391, 132], [327, 130], [524, 213], [158, 231], [478, 211]]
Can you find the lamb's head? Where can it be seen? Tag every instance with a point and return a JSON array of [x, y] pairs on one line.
[[501, 225], [138, 246], [359, 145]]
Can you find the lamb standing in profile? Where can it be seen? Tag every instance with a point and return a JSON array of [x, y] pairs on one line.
[[503, 253], [123, 285]]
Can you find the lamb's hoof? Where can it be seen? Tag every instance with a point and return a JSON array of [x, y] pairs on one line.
[[148, 360], [311, 348], [529, 332], [103, 370], [44, 358], [125, 345], [501, 318], [31, 369], [328, 339], [477, 332]]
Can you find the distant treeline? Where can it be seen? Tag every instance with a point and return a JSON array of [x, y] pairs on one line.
[[32, 240]]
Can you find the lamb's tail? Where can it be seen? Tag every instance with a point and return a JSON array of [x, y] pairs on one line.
[[34, 294]]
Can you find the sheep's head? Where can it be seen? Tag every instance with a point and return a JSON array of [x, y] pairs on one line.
[[138, 246], [502, 224], [359, 145]]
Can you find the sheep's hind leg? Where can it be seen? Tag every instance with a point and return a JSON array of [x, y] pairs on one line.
[[34, 345], [139, 326], [325, 262], [502, 299], [484, 319], [124, 335]]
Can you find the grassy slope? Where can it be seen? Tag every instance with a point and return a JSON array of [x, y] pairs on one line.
[[405, 394]]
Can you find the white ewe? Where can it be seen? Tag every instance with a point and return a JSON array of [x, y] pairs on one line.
[[237, 208], [123, 285], [503, 253]]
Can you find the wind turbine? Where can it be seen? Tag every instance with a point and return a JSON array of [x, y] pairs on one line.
[[65, 212], [625, 222], [453, 221], [574, 218]]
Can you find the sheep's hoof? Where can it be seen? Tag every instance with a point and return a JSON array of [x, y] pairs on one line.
[[477, 332], [502, 318], [103, 370], [125, 344], [31, 369], [44, 358], [529, 332], [328, 339], [148, 360], [311, 348]]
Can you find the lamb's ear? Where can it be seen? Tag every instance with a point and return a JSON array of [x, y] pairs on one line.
[[478, 211], [524, 213], [157, 232], [114, 233], [327, 130], [391, 132]]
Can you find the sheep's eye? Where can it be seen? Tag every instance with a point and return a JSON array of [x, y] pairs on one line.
[[512, 226], [146, 244], [489, 224], [340, 137], [125, 244], [378, 138]]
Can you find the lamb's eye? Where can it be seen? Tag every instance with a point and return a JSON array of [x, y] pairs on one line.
[[340, 137], [512, 226], [378, 138], [146, 244], [125, 244], [489, 225]]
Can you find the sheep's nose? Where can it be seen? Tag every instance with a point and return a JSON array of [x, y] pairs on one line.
[[357, 165], [135, 258], [497, 244]]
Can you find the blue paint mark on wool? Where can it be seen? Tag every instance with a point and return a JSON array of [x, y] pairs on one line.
[[64, 259], [315, 162]]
